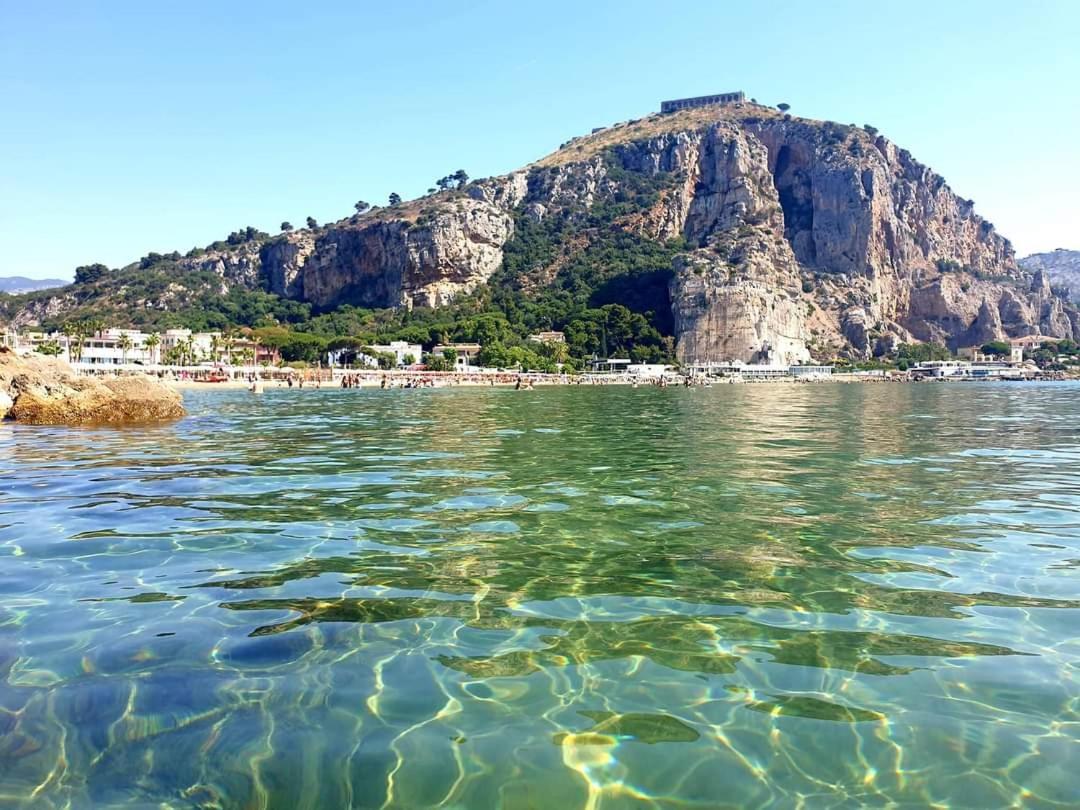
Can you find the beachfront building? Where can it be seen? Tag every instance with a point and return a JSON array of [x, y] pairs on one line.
[[737, 368], [174, 340], [751, 371], [465, 354], [28, 342], [982, 370], [405, 353], [940, 369], [647, 369], [115, 347], [244, 350], [118, 347], [613, 365], [810, 372], [108, 347], [1028, 342], [975, 354]]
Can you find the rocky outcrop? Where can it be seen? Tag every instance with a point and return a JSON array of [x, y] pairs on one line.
[[402, 263], [283, 261], [905, 258], [45, 391], [1061, 267], [240, 265]]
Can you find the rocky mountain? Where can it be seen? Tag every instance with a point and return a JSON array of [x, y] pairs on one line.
[[1061, 266], [21, 284], [741, 232]]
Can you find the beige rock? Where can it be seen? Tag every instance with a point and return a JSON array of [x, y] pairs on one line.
[[45, 391]]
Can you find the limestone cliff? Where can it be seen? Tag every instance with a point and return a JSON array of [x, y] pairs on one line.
[[797, 238], [396, 262], [1062, 268], [812, 235]]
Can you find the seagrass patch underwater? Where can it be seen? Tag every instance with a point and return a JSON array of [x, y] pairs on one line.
[[746, 596]]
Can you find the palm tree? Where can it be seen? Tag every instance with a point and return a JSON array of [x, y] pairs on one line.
[[72, 331], [93, 326], [151, 342], [125, 347], [230, 342]]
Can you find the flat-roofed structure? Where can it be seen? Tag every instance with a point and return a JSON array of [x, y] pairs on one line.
[[548, 337], [464, 354], [701, 101]]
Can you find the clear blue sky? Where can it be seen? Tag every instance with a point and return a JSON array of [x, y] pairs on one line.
[[134, 125]]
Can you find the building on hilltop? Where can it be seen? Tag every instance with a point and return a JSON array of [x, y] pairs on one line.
[[701, 101]]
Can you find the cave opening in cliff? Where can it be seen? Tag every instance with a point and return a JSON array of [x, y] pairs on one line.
[[795, 191]]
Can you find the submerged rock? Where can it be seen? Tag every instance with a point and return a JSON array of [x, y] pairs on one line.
[[45, 391]]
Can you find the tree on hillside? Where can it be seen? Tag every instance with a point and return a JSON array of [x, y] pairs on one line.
[[922, 352], [455, 180], [286, 226], [783, 106], [312, 223], [997, 348], [361, 206], [395, 198], [89, 273]]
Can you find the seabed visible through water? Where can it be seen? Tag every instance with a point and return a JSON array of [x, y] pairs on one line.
[[748, 596]]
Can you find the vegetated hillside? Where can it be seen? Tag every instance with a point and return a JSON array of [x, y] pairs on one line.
[[1061, 266], [22, 284], [710, 234]]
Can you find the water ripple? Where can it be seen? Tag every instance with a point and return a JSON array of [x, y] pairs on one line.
[[820, 596]]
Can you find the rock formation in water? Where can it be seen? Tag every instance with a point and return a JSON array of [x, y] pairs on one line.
[[798, 239], [44, 391]]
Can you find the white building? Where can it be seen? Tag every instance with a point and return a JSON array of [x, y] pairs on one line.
[[548, 337], [464, 354], [115, 347], [613, 365], [748, 371], [984, 370], [646, 369], [811, 372], [402, 351]]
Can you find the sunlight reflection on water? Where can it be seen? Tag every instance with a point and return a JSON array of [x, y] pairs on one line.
[[747, 596]]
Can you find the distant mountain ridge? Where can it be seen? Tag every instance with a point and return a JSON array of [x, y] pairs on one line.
[[1061, 266], [21, 284]]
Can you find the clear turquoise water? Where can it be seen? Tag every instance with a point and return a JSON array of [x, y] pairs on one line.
[[749, 596]]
